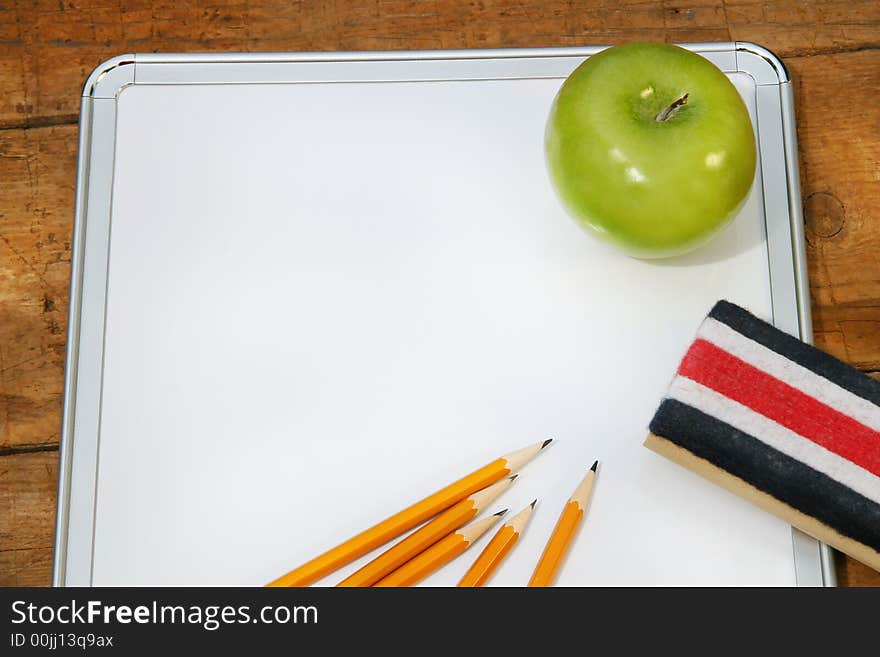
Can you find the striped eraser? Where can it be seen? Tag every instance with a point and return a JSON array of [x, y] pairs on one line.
[[780, 423]]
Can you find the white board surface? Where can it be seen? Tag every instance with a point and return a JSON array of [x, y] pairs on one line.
[[326, 301]]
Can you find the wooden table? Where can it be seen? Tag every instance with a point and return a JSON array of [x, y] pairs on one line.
[[48, 47]]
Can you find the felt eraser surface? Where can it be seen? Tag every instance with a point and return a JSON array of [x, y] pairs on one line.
[[784, 418]]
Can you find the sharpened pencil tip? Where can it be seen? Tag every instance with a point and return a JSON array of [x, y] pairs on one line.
[[500, 513], [546, 442], [513, 476], [594, 466], [534, 502]]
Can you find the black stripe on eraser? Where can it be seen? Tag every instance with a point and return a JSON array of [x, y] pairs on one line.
[[847, 377], [780, 476]]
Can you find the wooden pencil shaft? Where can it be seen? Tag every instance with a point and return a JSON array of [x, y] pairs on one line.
[[557, 546], [563, 533], [438, 555], [403, 521], [490, 558], [368, 540], [496, 550], [435, 557], [443, 525]]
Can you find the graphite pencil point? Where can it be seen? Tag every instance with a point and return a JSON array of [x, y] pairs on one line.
[[546, 442], [501, 513], [594, 466], [534, 502]]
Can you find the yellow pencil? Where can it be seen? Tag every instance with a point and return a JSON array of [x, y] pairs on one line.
[[497, 549], [563, 533], [439, 554], [369, 539], [424, 537]]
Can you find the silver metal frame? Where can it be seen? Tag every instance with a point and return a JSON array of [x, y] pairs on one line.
[[78, 481]]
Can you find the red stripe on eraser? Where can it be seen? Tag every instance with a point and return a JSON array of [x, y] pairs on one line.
[[786, 405]]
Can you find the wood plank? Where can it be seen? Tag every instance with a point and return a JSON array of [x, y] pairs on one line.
[[37, 180], [852, 573], [27, 521], [840, 176], [48, 48]]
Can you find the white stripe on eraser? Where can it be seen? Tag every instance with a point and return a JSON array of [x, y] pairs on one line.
[[776, 436], [787, 371]]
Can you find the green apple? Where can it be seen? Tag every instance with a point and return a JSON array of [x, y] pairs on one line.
[[651, 148]]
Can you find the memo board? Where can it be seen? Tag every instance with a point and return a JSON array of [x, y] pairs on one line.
[[309, 289]]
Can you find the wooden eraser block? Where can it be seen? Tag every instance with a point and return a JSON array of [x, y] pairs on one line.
[[780, 423]]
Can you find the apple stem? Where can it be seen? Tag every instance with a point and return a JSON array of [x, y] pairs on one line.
[[668, 112]]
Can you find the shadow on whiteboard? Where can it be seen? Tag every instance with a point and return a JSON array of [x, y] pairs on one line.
[[737, 238]]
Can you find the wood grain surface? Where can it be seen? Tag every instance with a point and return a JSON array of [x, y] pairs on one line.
[[48, 47]]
